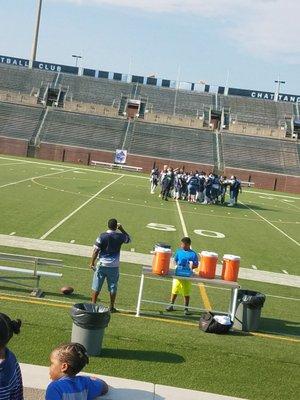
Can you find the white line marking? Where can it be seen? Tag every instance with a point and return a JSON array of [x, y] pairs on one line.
[[32, 177], [185, 233], [12, 163], [78, 208], [270, 223], [277, 195], [87, 169], [12, 233], [285, 271]]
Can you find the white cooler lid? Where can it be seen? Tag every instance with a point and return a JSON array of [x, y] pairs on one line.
[[231, 257], [159, 249], [208, 254]]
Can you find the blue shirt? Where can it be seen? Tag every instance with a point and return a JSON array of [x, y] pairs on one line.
[[11, 386], [109, 243], [183, 257], [74, 388]]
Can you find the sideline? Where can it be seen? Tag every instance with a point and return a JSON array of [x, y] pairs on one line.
[[51, 303]]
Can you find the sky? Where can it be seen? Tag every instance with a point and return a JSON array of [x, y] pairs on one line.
[[248, 42]]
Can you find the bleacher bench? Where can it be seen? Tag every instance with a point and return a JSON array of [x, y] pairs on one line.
[[32, 273], [115, 166]]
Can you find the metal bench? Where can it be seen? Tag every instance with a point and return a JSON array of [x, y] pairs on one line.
[[247, 184], [33, 273], [116, 166]]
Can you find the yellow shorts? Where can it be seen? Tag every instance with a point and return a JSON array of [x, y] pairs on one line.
[[181, 287]]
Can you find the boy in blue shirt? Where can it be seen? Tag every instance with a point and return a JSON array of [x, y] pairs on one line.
[[187, 258]]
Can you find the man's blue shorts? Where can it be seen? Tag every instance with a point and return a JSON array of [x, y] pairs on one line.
[[111, 274]]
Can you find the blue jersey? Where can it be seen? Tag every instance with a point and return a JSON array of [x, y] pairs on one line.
[[183, 257], [73, 388], [11, 386], [109, 243]]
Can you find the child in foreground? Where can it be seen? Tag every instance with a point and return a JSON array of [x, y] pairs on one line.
[[11, 386], [67, 360]]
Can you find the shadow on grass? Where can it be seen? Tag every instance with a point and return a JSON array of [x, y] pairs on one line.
[[279, 326], [142, 355], [252, 206]]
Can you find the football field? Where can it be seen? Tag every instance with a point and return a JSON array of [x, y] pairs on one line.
[[71, 204]]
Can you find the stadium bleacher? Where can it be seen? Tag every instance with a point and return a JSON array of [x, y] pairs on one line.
[[262, 154], [18, 121], [156, 137], [160, 100], [24, 80], [82, 130], [164, 141], [255, 111]]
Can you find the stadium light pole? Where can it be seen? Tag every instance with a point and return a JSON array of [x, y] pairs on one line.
[[76, 59], [176, 89], [36, 33], [277, 91]]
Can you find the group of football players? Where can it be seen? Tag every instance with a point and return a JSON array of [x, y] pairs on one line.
[[195, 186]]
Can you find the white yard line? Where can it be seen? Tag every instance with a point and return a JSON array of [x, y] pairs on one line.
[[271, 195], [270, 223], [33, 177], [79, 208], [185, 232]]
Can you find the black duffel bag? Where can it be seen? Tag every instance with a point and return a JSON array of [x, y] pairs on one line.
[[208, 324]]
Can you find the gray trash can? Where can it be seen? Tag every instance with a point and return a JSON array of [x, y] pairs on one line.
[[249, 305], [89, 323]]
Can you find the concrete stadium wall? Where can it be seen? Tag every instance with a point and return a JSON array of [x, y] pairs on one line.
[[13, 147], [53, 152]]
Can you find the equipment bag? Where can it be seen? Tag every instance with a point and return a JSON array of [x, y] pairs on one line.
[[208, 324]]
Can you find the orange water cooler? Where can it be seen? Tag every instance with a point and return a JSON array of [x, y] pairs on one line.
[[208, 264], [231, 266], [161, 259]]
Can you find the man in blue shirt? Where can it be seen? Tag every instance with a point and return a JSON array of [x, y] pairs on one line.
[[185, 258], [106, 256]]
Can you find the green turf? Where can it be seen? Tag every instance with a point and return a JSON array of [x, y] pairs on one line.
[[156, 350], [163, 352]]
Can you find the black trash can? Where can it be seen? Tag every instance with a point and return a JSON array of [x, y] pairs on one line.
[[89, 323], [248, 311]]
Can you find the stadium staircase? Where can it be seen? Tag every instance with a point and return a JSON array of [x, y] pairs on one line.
[[129, 128]]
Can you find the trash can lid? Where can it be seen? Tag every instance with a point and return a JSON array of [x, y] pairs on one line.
[[231, 257], [205, 253]]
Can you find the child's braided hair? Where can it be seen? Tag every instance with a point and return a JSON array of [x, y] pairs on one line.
[[8, 328], [73, 354]]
